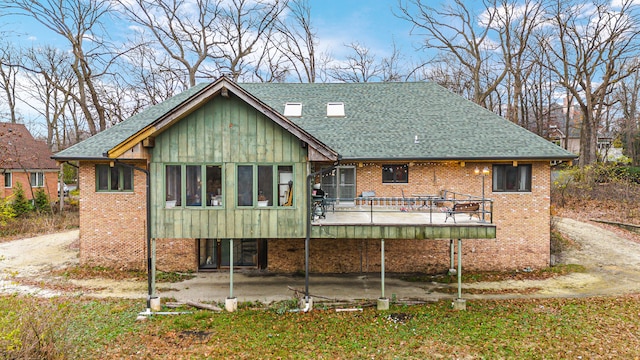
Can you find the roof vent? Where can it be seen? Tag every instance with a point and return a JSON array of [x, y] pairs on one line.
[[292, 109], [335, 109]]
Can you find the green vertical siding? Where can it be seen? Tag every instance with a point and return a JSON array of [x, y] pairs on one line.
[[227, 132]]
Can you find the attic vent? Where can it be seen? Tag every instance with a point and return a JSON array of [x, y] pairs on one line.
[[293, 109], [335, 109]]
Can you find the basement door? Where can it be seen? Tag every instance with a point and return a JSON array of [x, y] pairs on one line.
[[213, 254]]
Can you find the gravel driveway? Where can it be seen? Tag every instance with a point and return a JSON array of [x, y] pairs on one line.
[[612, 263]]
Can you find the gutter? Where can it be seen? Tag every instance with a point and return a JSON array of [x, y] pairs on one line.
[[466, 159]]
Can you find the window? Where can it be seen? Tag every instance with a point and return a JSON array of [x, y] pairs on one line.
[[265, 185], [36, 179], [395, 173], [202, 185], [335, 109], [512, 178], [293, 110], [194, 185], [214, 185], [173, 185], [7, 180], [245, 185], [116, 178]]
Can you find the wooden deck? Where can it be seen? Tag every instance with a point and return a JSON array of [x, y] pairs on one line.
[[362, 222]]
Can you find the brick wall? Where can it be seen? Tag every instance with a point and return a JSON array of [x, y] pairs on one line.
[[112, 224], [112, 228], [176, 255], [50, 184], [355, 255]]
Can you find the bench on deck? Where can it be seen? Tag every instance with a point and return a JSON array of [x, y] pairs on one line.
[[471, 208]]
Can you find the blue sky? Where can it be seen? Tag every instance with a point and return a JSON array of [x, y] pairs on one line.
[[369, 22], [336, 22]]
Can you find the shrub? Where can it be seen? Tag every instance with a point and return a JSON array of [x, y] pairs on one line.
[[41, 201], [20, 203], [599, 182], [6, 212], [37, 331]]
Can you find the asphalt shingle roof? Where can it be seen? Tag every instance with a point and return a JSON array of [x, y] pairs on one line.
[[381, 122], [383, 119], [20, 150]]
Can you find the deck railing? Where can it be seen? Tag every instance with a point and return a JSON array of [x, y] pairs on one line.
[[439, 209]]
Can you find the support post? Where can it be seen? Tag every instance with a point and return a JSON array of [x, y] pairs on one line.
[[230, 268], [452, 267], [382, 267], [459, 268], [460, 303], [383, 302], [231, 303]]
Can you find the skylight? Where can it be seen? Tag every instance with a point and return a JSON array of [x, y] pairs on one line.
[[335, 109], [293, 109]]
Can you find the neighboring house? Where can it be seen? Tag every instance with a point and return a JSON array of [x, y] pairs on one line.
[[237, 161], [568, 137], [26, 161], [572, 141]]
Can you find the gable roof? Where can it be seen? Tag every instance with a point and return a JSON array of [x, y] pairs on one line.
[[382, 121], [116, 140], [19, 150]]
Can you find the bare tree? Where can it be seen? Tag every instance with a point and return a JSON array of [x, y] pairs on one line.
[[391, 69], [298, 40], [454, 30], [272, 65], [243, 29], [51, 86], [361, 66], [515, 23], [186, 31], [592, 47], [8, 76], [79, 23]]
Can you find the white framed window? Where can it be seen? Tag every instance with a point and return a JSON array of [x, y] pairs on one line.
[[8, 180], [335, 109], [36, 179], [293, 109]]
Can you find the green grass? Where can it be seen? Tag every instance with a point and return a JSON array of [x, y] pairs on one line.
[[548, 328]]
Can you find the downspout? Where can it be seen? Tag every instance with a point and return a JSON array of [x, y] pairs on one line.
[[150, 272], [310, 178]]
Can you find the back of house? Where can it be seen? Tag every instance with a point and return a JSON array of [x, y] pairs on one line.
[[225, 171]]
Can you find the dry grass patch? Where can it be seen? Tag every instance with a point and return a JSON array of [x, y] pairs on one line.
[[35, 224]]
